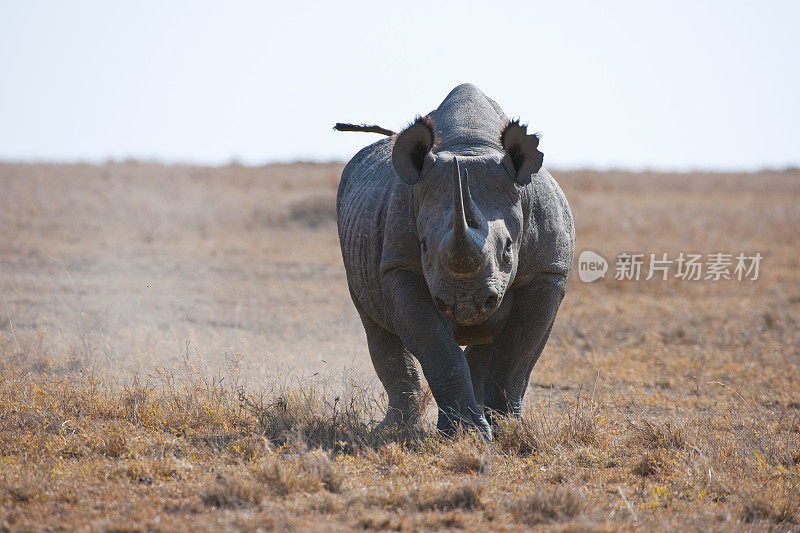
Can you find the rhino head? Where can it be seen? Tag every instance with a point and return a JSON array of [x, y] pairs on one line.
[[467, 205]]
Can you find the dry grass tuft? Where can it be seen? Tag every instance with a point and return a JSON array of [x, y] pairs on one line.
[[381, 521], [391, 454], [649, 464], [319, 465], [460, 495], [328, 503], [547, 505], [426, 496], [519, 436], [111, 443], [469, 453], [782, 510], [232, 491], [149, 469], [307, 472], [661, 435], [570, 426], [19, 494], [304, 413]]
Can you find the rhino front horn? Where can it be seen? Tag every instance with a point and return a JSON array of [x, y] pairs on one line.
[[462, 251]]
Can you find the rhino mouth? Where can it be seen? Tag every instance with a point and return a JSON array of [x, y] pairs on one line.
[[469, 312]]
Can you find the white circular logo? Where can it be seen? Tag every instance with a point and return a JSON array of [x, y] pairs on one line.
[[591, 266]]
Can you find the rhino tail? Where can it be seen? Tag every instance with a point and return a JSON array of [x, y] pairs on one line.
[[341, 126]]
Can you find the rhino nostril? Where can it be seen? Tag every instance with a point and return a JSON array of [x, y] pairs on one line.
[[489, 303], [443, 307]]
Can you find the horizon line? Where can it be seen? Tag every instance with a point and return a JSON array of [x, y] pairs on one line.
[[236, 162]]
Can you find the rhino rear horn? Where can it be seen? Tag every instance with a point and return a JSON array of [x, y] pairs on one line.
[[411, 153], [522, 155]]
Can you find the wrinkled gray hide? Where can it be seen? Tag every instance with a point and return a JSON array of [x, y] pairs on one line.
[[453, 235]]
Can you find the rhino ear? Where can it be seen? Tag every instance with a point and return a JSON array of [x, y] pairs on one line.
[[522, 156], [412, 150]]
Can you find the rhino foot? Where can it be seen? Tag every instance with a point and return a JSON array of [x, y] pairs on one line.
[[452, 419]]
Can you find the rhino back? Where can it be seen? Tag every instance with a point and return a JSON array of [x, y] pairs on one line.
[[364, 191], [467, 117]]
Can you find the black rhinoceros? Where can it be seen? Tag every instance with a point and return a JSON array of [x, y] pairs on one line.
[[454, 235]]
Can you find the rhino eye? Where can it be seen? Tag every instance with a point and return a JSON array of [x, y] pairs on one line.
[[508, 246], [424, 246]]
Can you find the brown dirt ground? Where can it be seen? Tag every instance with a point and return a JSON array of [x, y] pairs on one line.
[[178, 350]]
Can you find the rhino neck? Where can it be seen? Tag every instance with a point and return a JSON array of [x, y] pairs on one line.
[[468, 118]]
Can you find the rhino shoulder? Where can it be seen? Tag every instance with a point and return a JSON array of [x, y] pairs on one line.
[[368, 164], [401, 245], [549, 238]]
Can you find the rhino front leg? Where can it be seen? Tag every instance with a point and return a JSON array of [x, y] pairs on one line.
[[479, 357], [398, 373], [427, 335], [520, 344]]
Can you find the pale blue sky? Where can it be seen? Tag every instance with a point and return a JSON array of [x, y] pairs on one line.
[[674, 85]]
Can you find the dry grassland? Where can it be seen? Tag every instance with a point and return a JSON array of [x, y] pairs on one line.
[[178, 351]]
